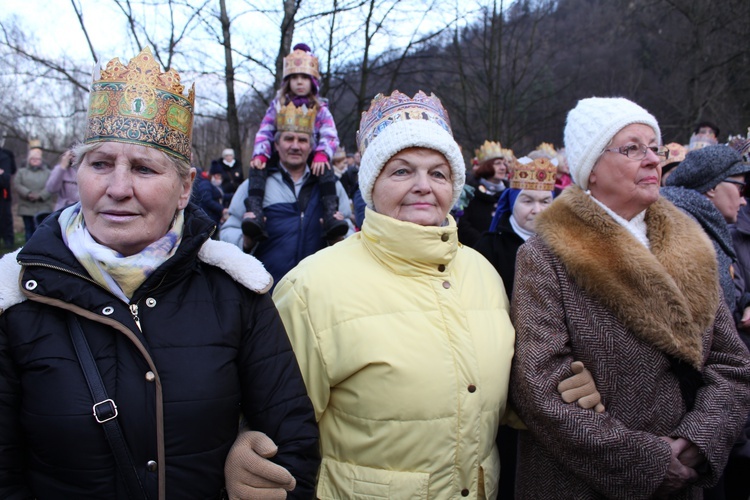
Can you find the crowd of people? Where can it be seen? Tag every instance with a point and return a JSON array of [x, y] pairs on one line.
[[378, 324]]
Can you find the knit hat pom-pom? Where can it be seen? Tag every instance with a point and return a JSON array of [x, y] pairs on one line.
[[302, 46]]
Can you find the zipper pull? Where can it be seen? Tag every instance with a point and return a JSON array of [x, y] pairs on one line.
[[134, 312]]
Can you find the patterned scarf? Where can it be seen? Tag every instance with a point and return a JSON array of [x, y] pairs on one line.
[[117, 273]]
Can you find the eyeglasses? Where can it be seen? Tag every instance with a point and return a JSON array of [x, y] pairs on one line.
[[639, 151], [740, 185]]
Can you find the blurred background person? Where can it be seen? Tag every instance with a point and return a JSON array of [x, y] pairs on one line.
[[7, 170], [531, 191], [492, 177], [30, 185], [677, 153], [231, 174], [63, 183]]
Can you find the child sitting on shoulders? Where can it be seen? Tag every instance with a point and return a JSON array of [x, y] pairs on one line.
[[300, 87]]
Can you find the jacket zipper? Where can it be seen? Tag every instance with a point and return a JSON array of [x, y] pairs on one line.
[[64, 270], [133, 307], [134, 312]]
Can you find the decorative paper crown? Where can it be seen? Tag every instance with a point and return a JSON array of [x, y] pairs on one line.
[[300, 61], [340, 153], [677, 153], [290, 118], [548, 149], [488, 151], [386, 110], [35, 144], [741, 144], [534, 175], [139, 104]]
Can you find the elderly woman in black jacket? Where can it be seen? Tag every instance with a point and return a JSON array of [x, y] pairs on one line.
[[131, 343]]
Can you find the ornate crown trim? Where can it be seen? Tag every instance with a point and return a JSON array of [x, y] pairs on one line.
[[397, 107], [299, 61], [534, 175], [139, 104], [290, 118]]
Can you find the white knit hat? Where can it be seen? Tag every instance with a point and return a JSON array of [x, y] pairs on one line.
[[592, 124], [398, 122]]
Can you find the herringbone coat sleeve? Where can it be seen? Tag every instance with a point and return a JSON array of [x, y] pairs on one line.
[[595, 448], [716, 418]]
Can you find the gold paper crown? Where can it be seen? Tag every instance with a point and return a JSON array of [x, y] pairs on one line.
[[740, 144], [290, 118], [547, 149], [398, 107], [340, 153], [138, 104], [35, 144], [677, 153], [299, 61], [492, 150], [534, 175]]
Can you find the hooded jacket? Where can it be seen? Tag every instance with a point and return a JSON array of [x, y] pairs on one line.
[[653, 329], [199, 344], [292, 221], [404, 341]]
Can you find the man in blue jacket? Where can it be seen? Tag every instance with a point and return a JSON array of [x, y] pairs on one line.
[[292, 206]]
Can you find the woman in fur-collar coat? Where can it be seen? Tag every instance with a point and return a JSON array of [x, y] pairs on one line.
[[628, 284]]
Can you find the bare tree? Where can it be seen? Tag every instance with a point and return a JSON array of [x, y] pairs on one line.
[[287, 32], [232, 118]]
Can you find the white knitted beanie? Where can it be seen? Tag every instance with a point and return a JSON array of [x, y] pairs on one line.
[[592, 124], [397, 122], [409, 134]]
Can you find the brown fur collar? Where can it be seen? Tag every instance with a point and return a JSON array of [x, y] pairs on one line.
[[667, 296]]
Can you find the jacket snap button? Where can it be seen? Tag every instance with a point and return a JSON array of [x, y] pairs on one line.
[[151, 466], [472, 388], [446, 285], [150, 302], [464, 492], [441, 268], [150, 377], [30, 285], [108, 310], [445, 237]]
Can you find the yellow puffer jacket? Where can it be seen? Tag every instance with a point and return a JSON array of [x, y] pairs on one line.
[[405, 344]]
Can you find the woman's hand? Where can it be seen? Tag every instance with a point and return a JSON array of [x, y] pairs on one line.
[[581, 388], [678, 475], [66, 159], [249, 474]]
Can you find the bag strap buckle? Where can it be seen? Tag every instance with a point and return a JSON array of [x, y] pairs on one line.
[[104, 411]]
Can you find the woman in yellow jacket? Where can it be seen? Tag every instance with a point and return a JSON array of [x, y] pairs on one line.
[[402, 334]]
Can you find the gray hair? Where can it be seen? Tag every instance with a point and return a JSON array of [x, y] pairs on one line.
[[277, 137]]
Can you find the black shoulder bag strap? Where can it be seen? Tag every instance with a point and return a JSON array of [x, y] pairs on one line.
[[105, 411]]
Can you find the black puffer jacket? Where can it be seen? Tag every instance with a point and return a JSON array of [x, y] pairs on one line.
[[500, 248], [210, 348]]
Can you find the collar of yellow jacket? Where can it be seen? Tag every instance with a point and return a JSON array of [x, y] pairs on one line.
[[410, 249]]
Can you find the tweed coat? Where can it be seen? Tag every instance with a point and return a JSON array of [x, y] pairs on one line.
[[587, 290]]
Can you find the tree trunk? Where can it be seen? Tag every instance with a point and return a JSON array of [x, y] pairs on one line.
[[287, 32], [232, 117]]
